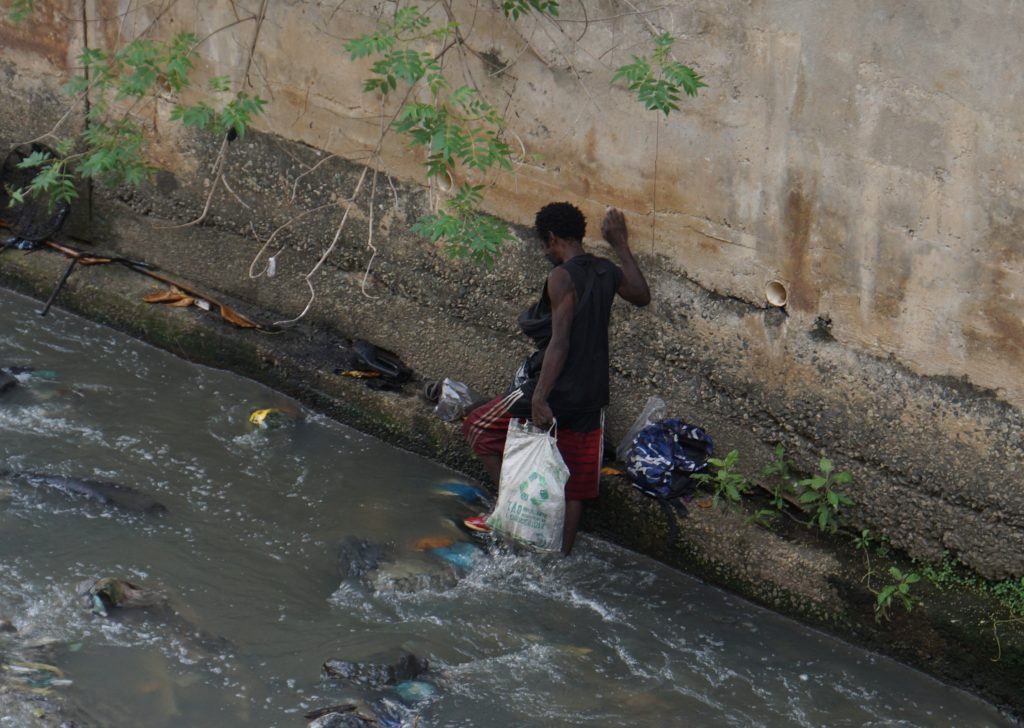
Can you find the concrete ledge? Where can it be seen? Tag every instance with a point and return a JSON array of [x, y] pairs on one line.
[[815, 579]]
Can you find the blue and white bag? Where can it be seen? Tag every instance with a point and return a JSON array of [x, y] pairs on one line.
[[664, 454]]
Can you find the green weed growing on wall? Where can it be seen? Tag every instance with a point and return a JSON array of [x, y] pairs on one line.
[[822, 497], [723, 479], [779, 473], [898, 590]]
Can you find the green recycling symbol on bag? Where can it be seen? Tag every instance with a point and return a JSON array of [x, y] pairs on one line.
[[542, 494]]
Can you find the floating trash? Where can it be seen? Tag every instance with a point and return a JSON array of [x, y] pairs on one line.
[[269, 418], [415, 691], [461, 555], [434, 542], [37, 677], [469, 494]]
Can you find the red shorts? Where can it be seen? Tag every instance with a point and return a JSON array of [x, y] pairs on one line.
[[485, 429]]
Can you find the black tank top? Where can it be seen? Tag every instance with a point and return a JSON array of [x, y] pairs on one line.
[[582, 386]]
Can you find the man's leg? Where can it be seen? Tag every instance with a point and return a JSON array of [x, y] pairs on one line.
[[492, 464], [581, 452], [485, 429], [573, 512]]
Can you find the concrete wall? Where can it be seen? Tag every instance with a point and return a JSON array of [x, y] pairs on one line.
[[866, 154]]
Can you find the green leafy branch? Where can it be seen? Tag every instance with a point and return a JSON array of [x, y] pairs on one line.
[[514, 8], [459, 131], [234, 118], [20, 10], [658, 81], [53, 180], [112, 146]]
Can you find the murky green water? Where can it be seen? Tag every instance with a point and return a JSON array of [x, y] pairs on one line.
[[249, 554]]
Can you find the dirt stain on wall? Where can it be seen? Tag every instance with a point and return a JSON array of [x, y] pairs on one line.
[[1000, 305], [43, 35], [798, 266]]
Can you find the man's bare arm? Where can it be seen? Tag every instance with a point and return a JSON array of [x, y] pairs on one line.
[[562, 294], [633, 286]]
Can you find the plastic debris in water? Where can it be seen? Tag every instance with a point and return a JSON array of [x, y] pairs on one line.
[[465, 492], [434, 542], [38, 677], [415, 691], [268, 417], [461, 555], [98, 608], [26, 374]]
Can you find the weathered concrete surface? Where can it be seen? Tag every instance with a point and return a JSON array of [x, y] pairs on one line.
[[936, 462], [790, 570], [868, 155], [845, 151]]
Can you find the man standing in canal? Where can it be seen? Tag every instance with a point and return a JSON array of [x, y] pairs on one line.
[[566, 379]]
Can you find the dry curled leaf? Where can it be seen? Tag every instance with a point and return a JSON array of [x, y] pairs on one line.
[[232, 316], [182, 302], [356, 374], [169, 295]]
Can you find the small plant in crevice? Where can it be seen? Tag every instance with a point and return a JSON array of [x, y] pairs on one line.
[[764, 517], [1010, 593], [822, 498], [899, 590], [951, 573], [883, 550], [724, 481], [780, 470], [863, 542]]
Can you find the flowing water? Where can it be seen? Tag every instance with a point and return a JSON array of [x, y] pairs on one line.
[[265, 555]]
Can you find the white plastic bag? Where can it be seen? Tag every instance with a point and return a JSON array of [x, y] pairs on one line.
[[456, 397], [531, 494], [653, 411]]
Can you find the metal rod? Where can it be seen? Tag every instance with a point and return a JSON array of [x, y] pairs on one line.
[[60, 284]]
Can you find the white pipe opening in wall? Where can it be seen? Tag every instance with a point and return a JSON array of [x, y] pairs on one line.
[[777, 293]]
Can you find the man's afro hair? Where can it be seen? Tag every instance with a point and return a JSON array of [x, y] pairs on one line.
[[561, 218]]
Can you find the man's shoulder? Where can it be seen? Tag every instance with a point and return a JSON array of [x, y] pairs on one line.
[[589, 259]]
